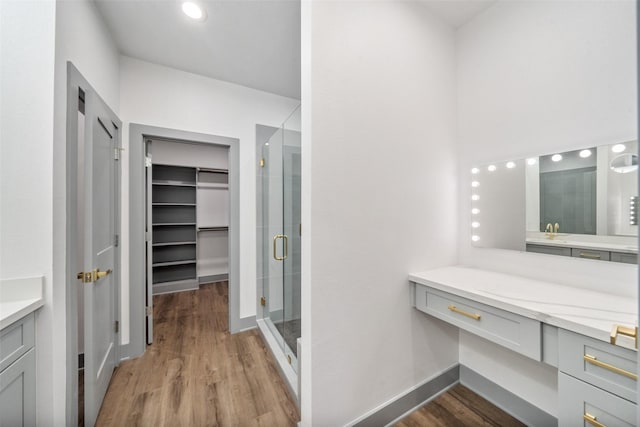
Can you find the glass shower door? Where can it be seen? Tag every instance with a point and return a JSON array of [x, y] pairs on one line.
[[280, 237]]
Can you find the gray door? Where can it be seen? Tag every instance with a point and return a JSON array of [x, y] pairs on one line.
[[99, 252], [149, 243]]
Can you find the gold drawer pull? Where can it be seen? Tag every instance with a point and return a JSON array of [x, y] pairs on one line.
[[592, 420], [464, 313], [594, 361], [623, 330], [590, 256]]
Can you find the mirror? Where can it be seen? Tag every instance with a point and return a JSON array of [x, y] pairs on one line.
[[576, 203]]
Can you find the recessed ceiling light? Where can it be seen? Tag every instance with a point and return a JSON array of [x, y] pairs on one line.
[[531, 161], [194, 11], [475, 170], [585, 153], [491, 168], [618, 148], [556, 157], [511, 165]]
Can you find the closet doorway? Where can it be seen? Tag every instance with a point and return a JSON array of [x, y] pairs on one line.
[[184, 209]]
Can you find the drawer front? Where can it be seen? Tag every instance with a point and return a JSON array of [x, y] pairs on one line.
[[515, 332], [599, 363], [552, 250], [18, 392], [624, 257], [591, 254], [16, 339], [580, 402]]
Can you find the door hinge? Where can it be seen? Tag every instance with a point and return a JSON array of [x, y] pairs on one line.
[[148, 311], [147, 162], [147, 236], [262, 162], [300, 229], [117, 326], [116, 240], [263, 301], [116, 153]]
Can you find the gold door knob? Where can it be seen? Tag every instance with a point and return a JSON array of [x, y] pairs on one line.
[[100, 274]]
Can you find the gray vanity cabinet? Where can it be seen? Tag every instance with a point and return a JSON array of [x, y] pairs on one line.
[[596, 382], [18, 373]]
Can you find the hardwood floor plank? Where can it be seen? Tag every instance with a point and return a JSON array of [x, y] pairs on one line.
[[196, 373], [459, 407]]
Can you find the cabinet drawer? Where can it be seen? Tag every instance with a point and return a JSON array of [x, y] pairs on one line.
[[591, 254], [551, 250], [515, 332], [16, 339], [579, 400], [18, 392], [624, 257], [599, 363]]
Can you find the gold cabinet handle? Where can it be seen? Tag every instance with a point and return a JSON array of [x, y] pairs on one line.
[[589, 256], [592, 420], [623, 330], [594, 361], [464, 313], [285, 242]]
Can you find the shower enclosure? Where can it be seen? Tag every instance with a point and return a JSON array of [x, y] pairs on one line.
[[279, 249]]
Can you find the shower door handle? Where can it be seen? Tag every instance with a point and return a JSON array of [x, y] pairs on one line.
[[285, 241]]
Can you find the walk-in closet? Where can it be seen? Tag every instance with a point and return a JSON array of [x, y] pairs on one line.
[[187, 216]]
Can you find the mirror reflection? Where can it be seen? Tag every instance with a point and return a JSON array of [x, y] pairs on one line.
[[578, 203]]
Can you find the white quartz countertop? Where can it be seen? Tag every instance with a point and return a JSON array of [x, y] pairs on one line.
[[19, 297], [579, 310]]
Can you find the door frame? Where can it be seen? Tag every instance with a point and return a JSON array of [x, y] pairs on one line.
[[138, 134], [75, 80]]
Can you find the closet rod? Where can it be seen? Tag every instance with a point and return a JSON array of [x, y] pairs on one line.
[[213, 170]]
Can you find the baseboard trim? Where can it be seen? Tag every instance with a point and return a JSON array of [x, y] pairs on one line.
[[516, 406], [213, 278], [405, 403], [172, 287], [246, 323]]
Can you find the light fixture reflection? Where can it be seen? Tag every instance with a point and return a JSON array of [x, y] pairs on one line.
[[475, 197], [475, 224], [475, 171], [475, 211], [556, 157], [475, 238], [618, 148], [585, 153], [475, 184], [491, 168]]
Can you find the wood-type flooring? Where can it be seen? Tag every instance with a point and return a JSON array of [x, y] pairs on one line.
[[459, 407], [197, 374]]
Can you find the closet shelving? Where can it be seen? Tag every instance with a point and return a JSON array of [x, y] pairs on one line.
[[213, 223], [173, 217]]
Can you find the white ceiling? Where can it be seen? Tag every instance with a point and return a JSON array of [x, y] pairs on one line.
[[254, 43], [457, 12]]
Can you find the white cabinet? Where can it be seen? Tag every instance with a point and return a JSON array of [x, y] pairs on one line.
[[18, 373]]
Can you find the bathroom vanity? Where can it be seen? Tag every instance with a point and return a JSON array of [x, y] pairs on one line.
[[19, 299], [565, 327]]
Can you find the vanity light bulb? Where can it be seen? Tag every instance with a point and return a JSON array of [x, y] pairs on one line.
[[585, 153], [475, 197], [475, 224], [475, 211], [475, 184], [475, 238], [556, 157], [475, 171], [491, 168], [511, 165], [531, 161], [618, 148]]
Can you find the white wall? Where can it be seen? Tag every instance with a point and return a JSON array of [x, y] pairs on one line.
[[159, 96], [26, 169], [379, 201], [533, 78]]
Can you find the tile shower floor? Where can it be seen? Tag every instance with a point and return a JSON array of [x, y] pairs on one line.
[[290, 331]]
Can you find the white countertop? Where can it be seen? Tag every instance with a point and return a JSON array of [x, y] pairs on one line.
[[19, 297], [575, 242], [579, 310]]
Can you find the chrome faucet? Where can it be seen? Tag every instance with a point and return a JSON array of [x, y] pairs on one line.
[[551, 231]]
